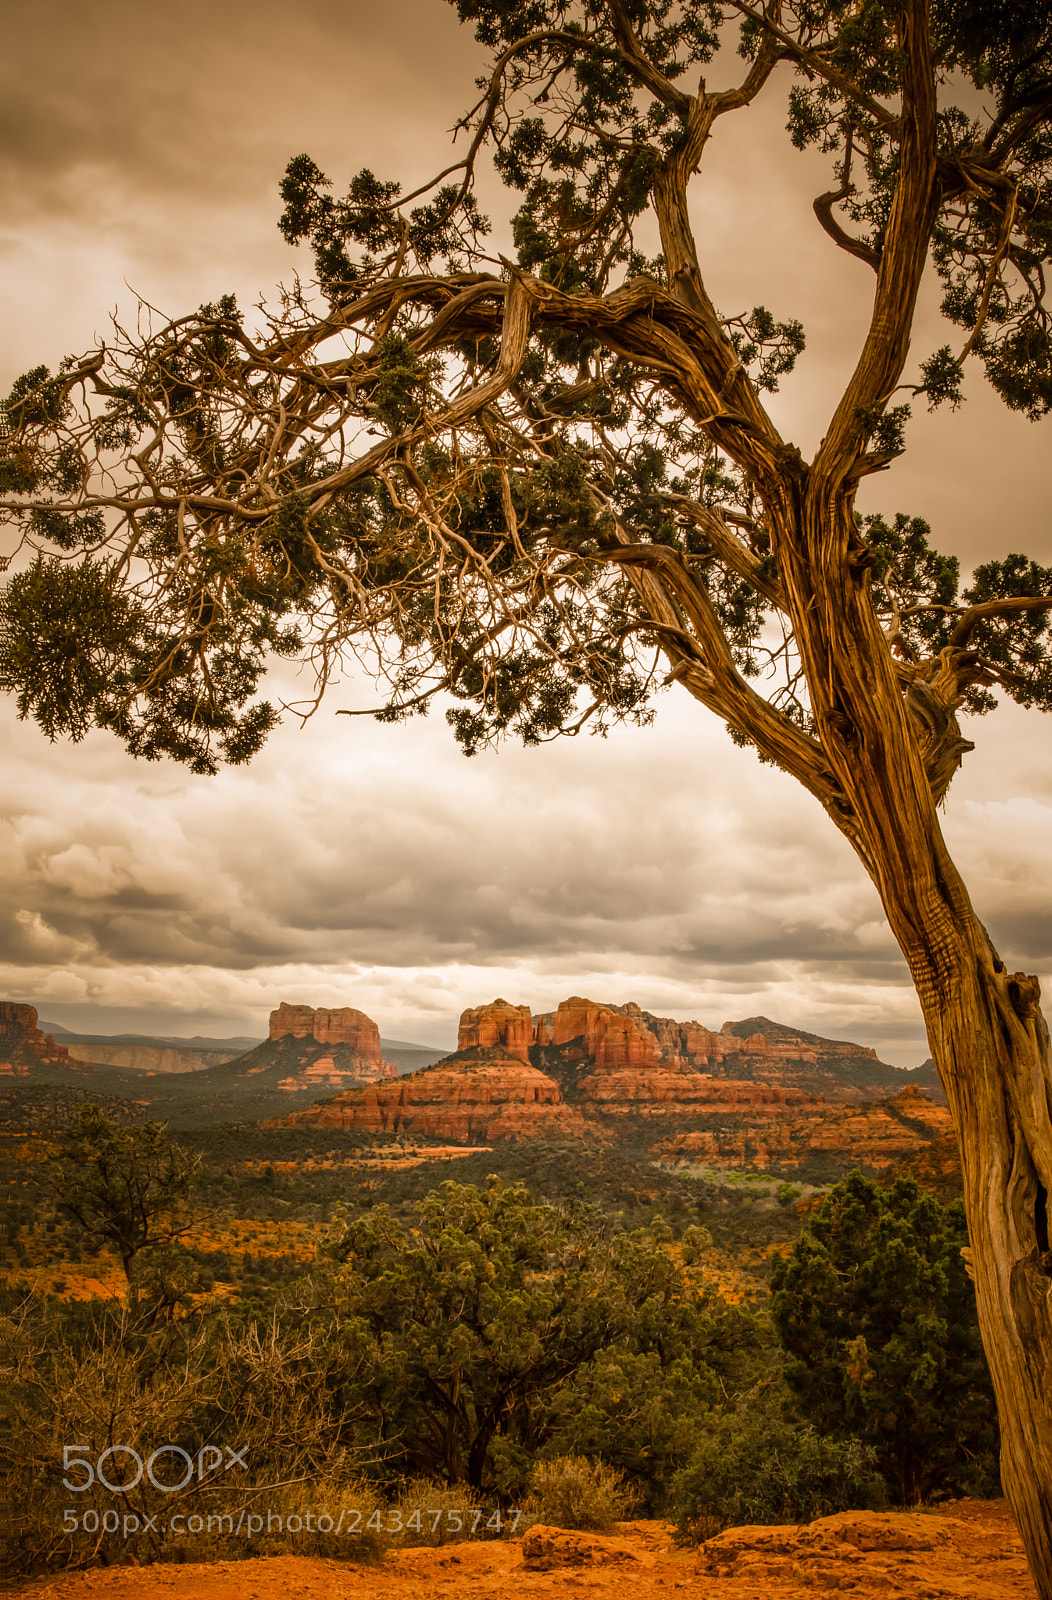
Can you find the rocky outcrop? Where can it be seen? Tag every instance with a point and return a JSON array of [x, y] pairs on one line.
[[875, 1136], [603, 1034], [307, 1050], [756, 1049], [474, 1097], [23, 1045], [342, 1026], [498, 1025]]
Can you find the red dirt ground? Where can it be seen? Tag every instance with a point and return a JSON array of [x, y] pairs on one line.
[[967, 1550]]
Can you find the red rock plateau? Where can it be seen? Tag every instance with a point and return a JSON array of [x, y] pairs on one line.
[[606, 1073], [967, 1550], [345, 1026], [22, 1044]]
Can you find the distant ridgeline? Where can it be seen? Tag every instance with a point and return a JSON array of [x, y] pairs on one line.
[[756, 1094]]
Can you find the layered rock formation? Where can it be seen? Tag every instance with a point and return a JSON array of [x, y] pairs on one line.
[[477, 1096], [616, 1073], [610, 1037], [308, 1051], [605, 1035], [23, 1045], [343, 1026], [779, 1136], [497, 1025]]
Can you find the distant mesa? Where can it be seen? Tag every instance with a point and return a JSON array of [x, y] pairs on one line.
[[309, 1048], [754, 1094], [343, 1026]]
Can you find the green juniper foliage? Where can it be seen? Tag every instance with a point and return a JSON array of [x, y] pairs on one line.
[[876, 1314], [490, 1329], [127, 1187], [755, 1465], [206, 497]]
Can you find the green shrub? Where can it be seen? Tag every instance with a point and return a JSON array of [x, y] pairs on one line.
[[573, 1492], [758, 1468]]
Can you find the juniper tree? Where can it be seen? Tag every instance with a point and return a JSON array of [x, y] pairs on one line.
[[875, 1312], [487, 1320], [125, 1187], [542, 485]]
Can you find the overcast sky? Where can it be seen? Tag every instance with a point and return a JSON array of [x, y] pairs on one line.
[[353, 864]]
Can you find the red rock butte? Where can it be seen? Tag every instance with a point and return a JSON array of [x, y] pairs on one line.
[[610, 1072], [499, 1023], [476, 1096], [22, 1044], [342, 1026]]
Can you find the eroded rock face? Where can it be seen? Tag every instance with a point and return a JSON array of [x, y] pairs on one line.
[[322, 1049], [600, 1071], [603, 1034], [878, 1134], [498, 1024], [342, 1026], [23, 1045], [476, 1096], [765, 1052]]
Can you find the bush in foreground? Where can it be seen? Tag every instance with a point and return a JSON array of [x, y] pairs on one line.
[[573, 1492], [763, 1469]]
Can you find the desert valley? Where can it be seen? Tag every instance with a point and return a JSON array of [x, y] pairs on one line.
[[672, 1153]]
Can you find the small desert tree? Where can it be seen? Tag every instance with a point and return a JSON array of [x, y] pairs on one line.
[[538, 485], [126, 1187]]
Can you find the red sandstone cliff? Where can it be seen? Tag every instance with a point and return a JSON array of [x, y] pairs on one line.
[[497, 1025], [475, 1096], [605, 1072], [23, 1045], [615, 1037], [314, 1049], [343, 1026]]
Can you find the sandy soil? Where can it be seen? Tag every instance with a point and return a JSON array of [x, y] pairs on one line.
[[968, 1550]]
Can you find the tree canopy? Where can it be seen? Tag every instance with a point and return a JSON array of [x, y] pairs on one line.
[[125, 1187], [543, 485], [489, 1327]]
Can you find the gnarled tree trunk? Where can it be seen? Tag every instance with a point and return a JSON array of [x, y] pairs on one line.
[[991, 1046], [891, 761]]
